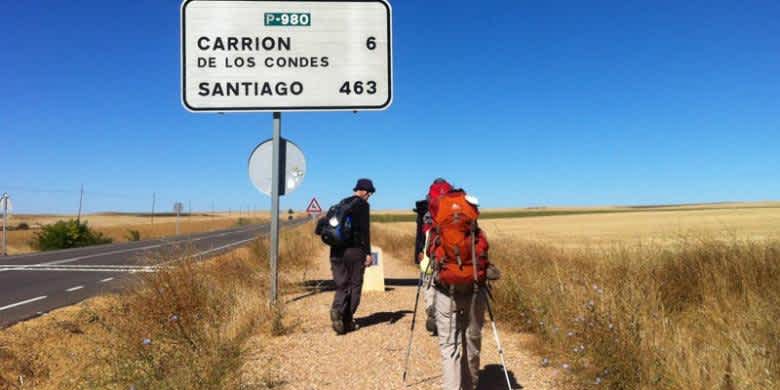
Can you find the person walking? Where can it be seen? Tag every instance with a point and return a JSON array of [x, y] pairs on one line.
[[458, 249], [348, 262], [424, 209]]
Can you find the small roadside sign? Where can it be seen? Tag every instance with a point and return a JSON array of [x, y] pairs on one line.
[[314, 207]]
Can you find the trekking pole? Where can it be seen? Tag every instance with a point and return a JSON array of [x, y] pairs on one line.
[[414, 317], [498, 342]]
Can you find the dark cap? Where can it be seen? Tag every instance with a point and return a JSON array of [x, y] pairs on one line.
[[365, 185]]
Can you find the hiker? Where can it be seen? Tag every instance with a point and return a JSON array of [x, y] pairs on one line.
[[458, 249], [349, 261], [423, 209]]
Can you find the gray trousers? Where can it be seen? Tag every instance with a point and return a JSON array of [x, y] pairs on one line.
[[460, 338], [348, 276]]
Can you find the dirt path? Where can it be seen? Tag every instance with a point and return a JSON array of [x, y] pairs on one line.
[[312, 356]]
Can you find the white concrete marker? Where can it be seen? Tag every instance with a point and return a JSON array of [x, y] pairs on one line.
[[22, 303], [374, 277]]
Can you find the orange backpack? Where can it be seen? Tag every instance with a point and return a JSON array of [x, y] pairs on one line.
[[456, 241]]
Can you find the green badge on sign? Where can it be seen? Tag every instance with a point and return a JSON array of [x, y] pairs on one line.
[[287, 19]]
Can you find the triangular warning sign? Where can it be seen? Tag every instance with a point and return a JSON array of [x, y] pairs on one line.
[[314, 207]]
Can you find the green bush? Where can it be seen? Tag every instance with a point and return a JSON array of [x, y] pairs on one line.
[[67, 234], [22, 226]]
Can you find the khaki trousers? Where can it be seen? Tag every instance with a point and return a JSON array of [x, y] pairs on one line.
[[460, 338]]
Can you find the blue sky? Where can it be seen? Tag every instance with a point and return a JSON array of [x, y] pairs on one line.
[[520, 103]]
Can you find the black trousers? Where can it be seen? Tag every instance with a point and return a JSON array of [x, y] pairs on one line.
[[348, 276]]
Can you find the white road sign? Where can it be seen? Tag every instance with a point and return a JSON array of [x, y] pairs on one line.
[[5, 203], [293, 166], [258, 55]]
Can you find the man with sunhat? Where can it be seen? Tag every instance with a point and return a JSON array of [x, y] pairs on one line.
[[348, 263]]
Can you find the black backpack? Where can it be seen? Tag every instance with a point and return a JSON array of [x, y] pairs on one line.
[[335, 229]]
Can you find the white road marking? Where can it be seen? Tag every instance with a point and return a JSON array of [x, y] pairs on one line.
[[237, 243], [182, 240], [72, 289], [61, 265], [117, 266], [106, 280], [22, 303], [77, 269]]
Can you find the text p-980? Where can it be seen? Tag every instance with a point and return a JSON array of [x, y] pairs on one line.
[[287, 19]]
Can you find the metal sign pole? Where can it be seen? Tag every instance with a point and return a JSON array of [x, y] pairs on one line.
[[275, 186], [178, 210]]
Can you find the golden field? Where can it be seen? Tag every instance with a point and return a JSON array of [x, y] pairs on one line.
[[678, 299], [117, 226], [750, 220]]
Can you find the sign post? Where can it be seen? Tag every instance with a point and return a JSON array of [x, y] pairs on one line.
[[275, 184], [275, 56]]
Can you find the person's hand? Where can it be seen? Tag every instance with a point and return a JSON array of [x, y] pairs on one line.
[[369, 260]]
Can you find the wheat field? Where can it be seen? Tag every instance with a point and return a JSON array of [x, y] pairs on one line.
[[751, 220], [662, 299]]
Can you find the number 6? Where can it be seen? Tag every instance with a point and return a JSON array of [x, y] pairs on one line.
[[371, 43]]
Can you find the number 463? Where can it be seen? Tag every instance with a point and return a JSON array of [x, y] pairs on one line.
[[358, 87]]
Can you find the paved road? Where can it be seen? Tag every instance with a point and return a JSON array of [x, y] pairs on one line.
[[37, 283]]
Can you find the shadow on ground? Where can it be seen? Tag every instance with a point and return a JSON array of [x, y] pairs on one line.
[[492, 377], [316, 286], [386, 317]]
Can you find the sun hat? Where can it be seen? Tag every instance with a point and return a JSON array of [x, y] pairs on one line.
[[365, 185]]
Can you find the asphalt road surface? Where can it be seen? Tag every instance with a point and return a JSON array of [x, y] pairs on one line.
[[36, 283]]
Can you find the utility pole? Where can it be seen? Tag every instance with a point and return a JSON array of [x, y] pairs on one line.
[[81, 201], [4, 201], [177, 208], [154, 198]]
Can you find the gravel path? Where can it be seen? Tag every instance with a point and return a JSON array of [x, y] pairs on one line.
[[312, 356]]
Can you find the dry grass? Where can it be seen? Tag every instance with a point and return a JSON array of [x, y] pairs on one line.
[[117, 226], [699, 314], [180, 328], [674, 300]]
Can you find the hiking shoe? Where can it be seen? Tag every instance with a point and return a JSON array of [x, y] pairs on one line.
[[336, 322], [352, 326]]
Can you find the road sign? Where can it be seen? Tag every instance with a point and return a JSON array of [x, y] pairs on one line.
[[260, 55], [314, 207], [178, 207], [5, 203], [293, 164]]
